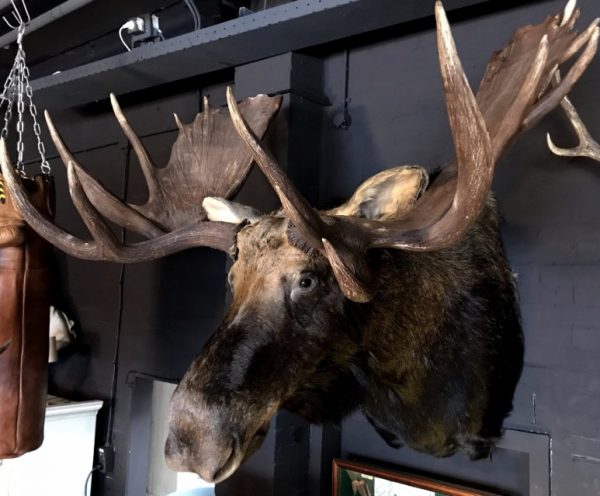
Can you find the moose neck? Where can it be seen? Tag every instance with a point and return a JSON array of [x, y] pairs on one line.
[[410, 340]]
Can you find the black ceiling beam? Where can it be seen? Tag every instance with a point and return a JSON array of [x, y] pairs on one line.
[[290, 27]]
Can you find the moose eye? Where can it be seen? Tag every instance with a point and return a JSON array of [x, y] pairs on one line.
[[307, 282], [305, 285]]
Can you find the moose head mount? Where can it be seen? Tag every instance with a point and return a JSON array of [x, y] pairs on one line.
[[398, 302]]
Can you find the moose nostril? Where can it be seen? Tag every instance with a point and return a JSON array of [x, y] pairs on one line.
[[213, 473], [212, 458], [221, 466]]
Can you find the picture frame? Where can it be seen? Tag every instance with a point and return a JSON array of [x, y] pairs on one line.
[[359, 479]]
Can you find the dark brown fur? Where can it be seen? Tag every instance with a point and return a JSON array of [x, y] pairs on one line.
[[432, 361]]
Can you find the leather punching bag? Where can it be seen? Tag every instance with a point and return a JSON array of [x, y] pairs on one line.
[[24, 314]]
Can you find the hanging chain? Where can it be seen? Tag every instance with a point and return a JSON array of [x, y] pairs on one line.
[[8, 96], [16, 88], [44, 165], [20, 112]]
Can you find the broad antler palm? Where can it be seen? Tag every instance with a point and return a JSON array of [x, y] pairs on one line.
[[207, 159]]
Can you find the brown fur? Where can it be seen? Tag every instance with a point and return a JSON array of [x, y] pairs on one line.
[[433, 360]]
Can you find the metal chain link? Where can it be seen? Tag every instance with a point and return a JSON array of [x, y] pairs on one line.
[[20, 112], [7, 117], [16, 87], [8, 96], [45, 166]]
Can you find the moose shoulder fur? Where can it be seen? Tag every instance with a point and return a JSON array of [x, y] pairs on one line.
[[442, 335], [399, 302]]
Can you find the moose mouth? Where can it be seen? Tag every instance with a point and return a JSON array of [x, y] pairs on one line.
[[239, 455], [230, 465]]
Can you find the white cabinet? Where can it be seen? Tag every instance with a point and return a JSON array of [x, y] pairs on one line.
[[61, 465]]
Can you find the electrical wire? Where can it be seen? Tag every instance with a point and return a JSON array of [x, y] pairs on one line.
[[88, 478], [115, 362], [124, 26], [194, 11], [347, 99]]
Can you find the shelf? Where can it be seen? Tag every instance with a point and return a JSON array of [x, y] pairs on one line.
[[289, 27]]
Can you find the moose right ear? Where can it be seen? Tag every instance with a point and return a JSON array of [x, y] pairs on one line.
[[221, 210], [387, 195]]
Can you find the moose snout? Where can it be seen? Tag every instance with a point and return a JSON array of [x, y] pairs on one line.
[[216, 420], [212, 459]]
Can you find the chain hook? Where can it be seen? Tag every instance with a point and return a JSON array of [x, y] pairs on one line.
[[20, 34], [22, 21]]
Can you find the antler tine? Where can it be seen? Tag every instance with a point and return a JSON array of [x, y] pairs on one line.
[[587, 146], [582, 39], [114, 209], [351, 271], [105, 239], [474, 158], [471, 140], [35, 219], [558, 92], [145, 162], [525, 96], [302, 215], [106, 203], [64, 152], [568, 12]]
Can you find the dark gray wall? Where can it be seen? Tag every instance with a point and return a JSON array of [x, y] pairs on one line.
[[551, 231]]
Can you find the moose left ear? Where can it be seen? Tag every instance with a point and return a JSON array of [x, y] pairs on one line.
[[387, 195], [221, 210]]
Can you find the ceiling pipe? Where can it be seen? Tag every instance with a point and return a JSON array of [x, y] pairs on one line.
[[42, 20]]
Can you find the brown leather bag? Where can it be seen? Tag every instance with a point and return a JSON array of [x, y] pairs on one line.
[[24, 314]]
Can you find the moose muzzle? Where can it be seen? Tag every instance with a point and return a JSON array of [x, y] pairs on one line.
[[204, 439]]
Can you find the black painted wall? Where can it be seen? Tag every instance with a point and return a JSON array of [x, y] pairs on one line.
[[161, 313]]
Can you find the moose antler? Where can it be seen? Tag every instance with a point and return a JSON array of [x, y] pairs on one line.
[[587, 146], [514, 95], [207, 159]]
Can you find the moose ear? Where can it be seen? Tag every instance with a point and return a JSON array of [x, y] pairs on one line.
[[387, 195], [221, 210]]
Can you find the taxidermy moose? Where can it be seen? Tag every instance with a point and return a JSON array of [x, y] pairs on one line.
[[398, 302]]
